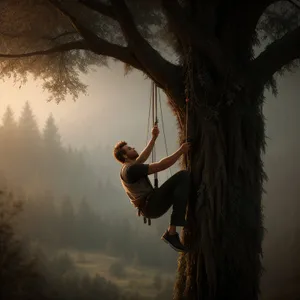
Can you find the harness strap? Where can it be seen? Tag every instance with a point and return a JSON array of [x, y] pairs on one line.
[[145, 219]]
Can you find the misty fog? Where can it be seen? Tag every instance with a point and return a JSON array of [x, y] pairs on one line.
[[77, 220]]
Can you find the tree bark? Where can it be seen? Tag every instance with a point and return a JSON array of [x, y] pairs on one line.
[[225, 219]]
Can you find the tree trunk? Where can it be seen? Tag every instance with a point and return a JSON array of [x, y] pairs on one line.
[[225, 212]]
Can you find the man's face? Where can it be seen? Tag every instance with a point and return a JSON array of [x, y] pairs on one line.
[[130, 152]]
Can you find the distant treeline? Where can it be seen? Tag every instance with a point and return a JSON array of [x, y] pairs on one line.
[[81, 228], [36, 160], [66, 202], [27, 274]]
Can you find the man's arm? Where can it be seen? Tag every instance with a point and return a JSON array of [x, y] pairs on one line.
[[168, 161], [147, 151]]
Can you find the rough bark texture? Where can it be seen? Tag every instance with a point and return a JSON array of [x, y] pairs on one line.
[[224, 213]]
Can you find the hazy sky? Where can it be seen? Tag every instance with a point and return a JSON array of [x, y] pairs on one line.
[[116, 108]]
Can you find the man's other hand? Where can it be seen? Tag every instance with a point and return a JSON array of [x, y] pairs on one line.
[[185, 147], [155, 131]]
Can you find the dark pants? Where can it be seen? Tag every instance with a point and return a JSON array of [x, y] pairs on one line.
[[174, 192]]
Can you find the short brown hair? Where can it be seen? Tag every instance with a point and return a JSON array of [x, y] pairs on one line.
[[119, 152]]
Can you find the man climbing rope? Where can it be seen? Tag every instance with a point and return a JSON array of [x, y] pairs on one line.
[[152, 202]]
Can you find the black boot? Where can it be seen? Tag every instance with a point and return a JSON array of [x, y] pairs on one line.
[[174, 241]]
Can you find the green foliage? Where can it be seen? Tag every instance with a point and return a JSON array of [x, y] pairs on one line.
[[19, 277], [40, 26], [79, 227], [30, 273]]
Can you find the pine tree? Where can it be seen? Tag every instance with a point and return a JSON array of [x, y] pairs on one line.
[[51, 136], [9, 143], [28, 125], [54, 158], [29, 146], [19, 278], [8, 120]]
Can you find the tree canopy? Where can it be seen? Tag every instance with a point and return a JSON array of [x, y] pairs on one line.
[[57, 40]]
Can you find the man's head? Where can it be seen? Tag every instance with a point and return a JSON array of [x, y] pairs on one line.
[[123, 152]]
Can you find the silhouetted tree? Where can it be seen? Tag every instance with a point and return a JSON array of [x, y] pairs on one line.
[[29, 146], [39, 162], [55, 162], [211, 43], [19, 278], [9, 142], [51, 136], [28, 127], [65, 281], [9, 123]]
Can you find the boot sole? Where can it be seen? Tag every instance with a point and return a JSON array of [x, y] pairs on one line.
[[173, 247]]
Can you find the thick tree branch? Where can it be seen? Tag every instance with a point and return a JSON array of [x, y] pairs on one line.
[[160, 70], [99, 7], [277, 55], [57, 37], [62, 35], [293, 2], [97, 44], [46, 37], [106, 49], [78, 45]]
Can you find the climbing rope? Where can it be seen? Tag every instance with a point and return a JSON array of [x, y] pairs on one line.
[[163, 128], [154, 122], [189, 89], [149, 114], [155, 97]]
